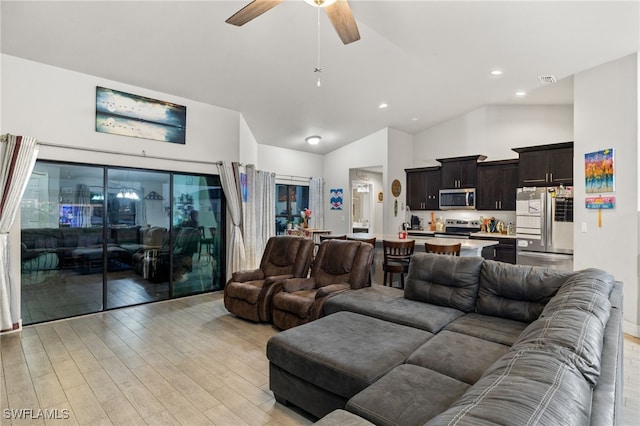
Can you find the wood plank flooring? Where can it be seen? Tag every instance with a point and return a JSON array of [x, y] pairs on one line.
[[185, 361]]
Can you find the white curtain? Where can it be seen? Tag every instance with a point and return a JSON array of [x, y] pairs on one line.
[[18, 158], [230, 180], [259, 214], [316, 202]]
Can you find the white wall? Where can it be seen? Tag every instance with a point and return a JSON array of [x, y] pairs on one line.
[[493, 131], [400, 149], [366, 152], [58, 106], [606, 116], [248, 144], [287, 162]]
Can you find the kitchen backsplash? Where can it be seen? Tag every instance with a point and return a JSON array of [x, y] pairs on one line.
[[425, 216]]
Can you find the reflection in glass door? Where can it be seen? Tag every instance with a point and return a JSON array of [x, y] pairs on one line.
[[138, 229], [197, 233], [62, 239]]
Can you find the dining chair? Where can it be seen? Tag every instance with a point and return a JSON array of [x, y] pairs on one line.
[[449, 249], [397, 256]]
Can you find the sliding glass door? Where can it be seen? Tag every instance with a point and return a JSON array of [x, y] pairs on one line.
[[96, 237]]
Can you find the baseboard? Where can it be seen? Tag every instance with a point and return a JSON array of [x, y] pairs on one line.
[[17, 326], [631, 329]]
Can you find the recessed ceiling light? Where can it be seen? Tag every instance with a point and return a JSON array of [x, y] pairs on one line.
[[521, 93], [496, 72], [383, 105], [313, 140], [415, 118]]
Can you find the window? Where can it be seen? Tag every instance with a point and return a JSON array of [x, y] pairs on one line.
[[290, 200]]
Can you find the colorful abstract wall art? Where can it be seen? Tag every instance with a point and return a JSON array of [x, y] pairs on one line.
[[335, 198], [121, 113], [599, 171]]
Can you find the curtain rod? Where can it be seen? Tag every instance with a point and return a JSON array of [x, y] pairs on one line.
[[4, 138], [291, 177]]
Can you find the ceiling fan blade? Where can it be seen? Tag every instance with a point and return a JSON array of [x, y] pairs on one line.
[[343, 21], [250, 11]]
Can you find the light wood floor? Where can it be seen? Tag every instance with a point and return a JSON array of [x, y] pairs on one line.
[[185, 361]]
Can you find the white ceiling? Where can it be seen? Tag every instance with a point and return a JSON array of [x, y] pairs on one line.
[[428, 60]]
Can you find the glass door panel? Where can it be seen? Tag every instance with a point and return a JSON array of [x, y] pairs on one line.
[[61, 242], [138, 229], [197, 234]]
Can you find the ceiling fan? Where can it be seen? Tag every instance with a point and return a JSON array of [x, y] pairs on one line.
[[338, 11]]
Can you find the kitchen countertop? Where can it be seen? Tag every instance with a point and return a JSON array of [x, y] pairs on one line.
[[466, 244], [492, 235]]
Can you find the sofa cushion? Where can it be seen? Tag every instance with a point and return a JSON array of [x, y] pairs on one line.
[[298, 302], [89, 240], [456, 355], [342, 418], [572, 334], [493, 329], [525, 387], [450, 281], [248, 291], [407, 395], [587, 290], [517, 292], [339, 260], [389, 304], [345, 352]]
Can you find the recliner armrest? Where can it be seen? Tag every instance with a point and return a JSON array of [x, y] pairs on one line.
[[276, 278], [296, 284], [249, 275], [331, 289]]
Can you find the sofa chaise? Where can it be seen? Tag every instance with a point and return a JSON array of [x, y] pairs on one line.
[[468, 341]]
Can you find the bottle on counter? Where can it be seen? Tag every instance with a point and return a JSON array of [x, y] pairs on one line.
[[432, 224]]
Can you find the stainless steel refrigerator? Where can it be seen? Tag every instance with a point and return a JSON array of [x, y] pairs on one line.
[[544, 227]]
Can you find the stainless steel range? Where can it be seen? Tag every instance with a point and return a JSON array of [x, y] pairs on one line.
[[459, 228]]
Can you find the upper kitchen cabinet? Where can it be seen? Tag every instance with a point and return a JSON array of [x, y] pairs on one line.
[[546, 165], [459, 172], [497, 185], [423, 185]]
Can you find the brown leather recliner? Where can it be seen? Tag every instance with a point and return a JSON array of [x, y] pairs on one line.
[[339, 266], [248, 294]]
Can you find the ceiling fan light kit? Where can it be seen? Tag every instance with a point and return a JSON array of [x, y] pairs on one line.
[[338, 11], [320, 3]]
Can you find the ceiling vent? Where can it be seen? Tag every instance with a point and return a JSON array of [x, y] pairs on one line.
[[547, 79]]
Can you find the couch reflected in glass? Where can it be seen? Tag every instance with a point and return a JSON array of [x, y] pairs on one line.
[[145, 249]]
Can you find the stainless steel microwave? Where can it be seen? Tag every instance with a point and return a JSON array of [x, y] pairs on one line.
[[457, 199]]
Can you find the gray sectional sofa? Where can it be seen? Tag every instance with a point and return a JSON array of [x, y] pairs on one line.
[[468, 341]]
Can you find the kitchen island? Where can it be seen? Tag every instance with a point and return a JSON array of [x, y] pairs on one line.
[[467, 247]]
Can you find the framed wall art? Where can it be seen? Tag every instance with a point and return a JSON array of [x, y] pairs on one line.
[[335, 198], [125, 114], [599, 171]]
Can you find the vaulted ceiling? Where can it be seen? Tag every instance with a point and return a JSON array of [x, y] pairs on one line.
[[428, 60]]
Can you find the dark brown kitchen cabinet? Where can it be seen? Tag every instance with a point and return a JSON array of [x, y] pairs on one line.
[[423, 185], [497, 185], [546, 165], [505, 251], [459, 172]]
